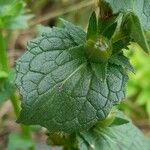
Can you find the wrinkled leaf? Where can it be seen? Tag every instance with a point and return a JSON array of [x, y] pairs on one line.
[[117, 137], [76, 33], [139, 7], [100, 70], [42, 30], [131, 26], [59, 87], [121, 60]]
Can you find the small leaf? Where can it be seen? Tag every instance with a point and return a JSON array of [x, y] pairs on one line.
[[131, 25], [123, 61], [110, 30], [107, 27], [92, 28], [120, 44], [119, 121]]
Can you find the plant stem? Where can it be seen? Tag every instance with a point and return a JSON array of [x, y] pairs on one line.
[[26, 132], [3, 54], [25, 129], [4, 66], [15, 104]]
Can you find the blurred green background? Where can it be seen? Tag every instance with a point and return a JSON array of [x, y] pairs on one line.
[[48, 12]]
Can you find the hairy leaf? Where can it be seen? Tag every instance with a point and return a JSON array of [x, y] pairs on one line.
[[131, 26], [92, 28], [122, 60], [107, 27], [117, 137], [139, 7], [61, 90]]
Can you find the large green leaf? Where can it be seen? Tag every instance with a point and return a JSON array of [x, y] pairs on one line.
[[139, 7], [116, 137], [61, 91]]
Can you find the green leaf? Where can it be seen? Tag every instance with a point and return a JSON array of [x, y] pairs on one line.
[[147, 141], [100, 70], [77, 34], [120, 44], [11, 8], [119, 121], [59, 87], [19, 22], [131, 26], [12, 14], [139, 7], [107, 27], [42, 30], [119, 137], [3, 75], [16, 142], [110, 30], [92, 28], [123, 61]]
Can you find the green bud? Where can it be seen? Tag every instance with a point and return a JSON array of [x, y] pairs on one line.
[[98, 51]]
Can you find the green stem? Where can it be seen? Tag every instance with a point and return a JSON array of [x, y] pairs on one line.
[[4, 67], [15, 104], [3, 54], [26, 132]]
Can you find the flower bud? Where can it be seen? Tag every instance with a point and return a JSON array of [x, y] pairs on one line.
[[99, 50]]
